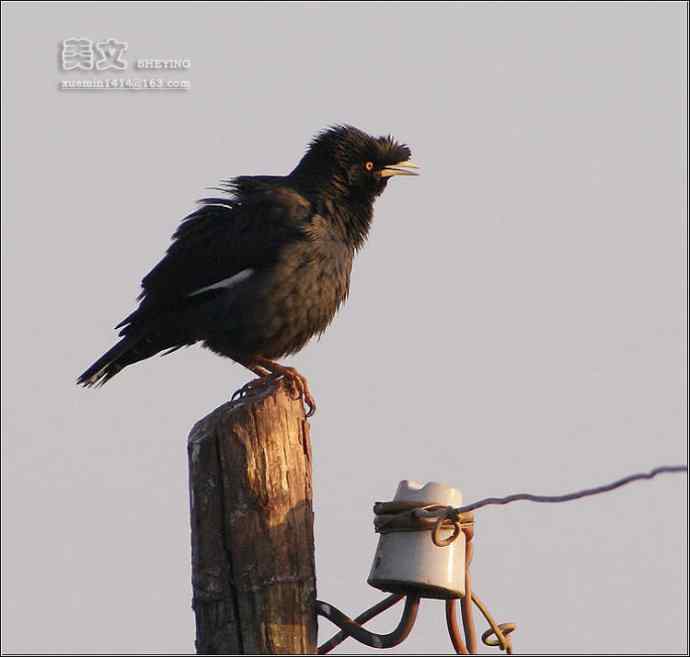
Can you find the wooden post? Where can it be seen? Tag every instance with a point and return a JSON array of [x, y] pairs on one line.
[[253, 577]]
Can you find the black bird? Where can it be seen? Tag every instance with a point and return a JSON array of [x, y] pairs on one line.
[[256, 273]]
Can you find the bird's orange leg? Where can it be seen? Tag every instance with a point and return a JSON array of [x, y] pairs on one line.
[[296, 381]]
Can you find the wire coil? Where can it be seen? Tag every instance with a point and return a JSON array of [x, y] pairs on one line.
[[414, 517]]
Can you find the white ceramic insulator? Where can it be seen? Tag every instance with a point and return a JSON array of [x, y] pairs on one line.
[[410, 562]]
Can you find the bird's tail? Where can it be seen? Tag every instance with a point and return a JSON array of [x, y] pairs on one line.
[[110, 363]]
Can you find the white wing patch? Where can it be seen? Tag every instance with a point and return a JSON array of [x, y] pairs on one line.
[[218, 205], [226, 282]]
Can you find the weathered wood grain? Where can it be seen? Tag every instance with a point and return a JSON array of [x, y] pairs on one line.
[[252, 528]]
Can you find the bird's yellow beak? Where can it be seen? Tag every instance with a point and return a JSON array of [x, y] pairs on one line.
[[406, 168]]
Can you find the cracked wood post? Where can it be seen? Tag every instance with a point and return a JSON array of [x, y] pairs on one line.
[[253, 577]]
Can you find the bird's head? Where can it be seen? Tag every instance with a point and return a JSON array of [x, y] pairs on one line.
[[353, 164]]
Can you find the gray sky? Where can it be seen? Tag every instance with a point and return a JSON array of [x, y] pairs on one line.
[[517, 320]]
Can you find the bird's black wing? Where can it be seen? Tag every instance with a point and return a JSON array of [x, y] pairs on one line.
[[224, 237]]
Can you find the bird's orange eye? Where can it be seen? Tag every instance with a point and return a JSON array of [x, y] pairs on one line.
[[369, 166]]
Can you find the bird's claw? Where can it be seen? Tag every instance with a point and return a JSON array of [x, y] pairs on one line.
[[298, 388], [250, 388], [296, 384]]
